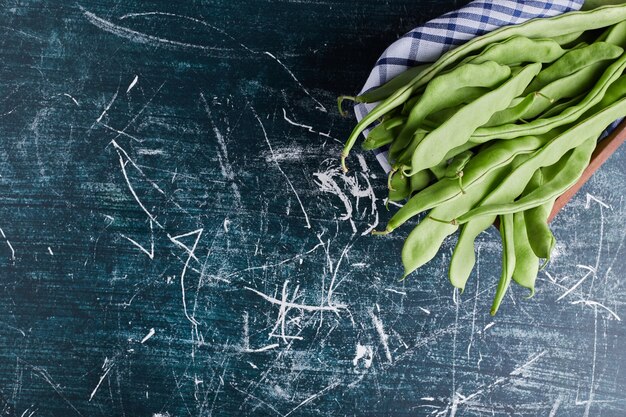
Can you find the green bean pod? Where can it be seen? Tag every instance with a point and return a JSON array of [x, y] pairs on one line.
[[463, 258], [448, 90], [424, 241], [539, 235], [405, 157], [420, 181], [535, 28], [560, 107], [384, 91], [457, 164], [383, 134], [442, 115], [539, 126], [616, 91], [517, 50], [569, 86], [574, 61], [457, 130], [439, 170], [567, 172], [512, 113], [399, 187], [558, 26], [507, 232], [567, 39], [447, 189], [526, 261], [616, 34], [391, 103]]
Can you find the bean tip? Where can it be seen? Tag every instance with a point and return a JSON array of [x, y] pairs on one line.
[[340, 100], [344, 167]]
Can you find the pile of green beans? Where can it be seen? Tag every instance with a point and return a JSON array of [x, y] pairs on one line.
[[497, 129]]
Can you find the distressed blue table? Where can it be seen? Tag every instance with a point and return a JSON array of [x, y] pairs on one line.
[[176, 238]]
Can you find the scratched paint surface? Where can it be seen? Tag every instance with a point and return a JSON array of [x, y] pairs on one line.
[[177, 238]]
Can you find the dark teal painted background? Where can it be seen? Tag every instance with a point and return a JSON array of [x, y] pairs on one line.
[[228, 110]]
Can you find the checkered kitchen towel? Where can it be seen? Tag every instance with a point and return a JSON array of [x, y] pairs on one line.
[[426, 43]]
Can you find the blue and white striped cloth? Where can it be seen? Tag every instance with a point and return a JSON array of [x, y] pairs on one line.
[[429, 41]]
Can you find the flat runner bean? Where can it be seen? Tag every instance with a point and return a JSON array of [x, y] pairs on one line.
[[538, 232], [617, 34], [540, 237], [463, 258], [507, 232], [517, 50], [568, 39], [457, 130], [382, 92], [573, 61], [407, 153], [536, 28], [420, 181], [447, 90], [495, 157], [568, 171], [383, 133], [539, 126], [526, 262], [399, 187], [569, 86], [424, 241]]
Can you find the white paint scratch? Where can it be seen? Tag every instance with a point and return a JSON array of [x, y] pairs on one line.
[[529, 362], [306, 216], [277, 264], [148, 336], [320, 106], [307, 127], [130, 187], [395, 291], [591, 198], [8, 244], [566, 293], [378, 325], [263, 349], [555, 407], [106, 367], [336, 308], [597, 304], [191, 255], [225, 165], [150, 253], [107, 107], [121, 132], [327, 181], [313, 397], [332, 286], [146, 151], [132, 84], [144, 38], [593, 364], [72, 98], [364, 352]]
